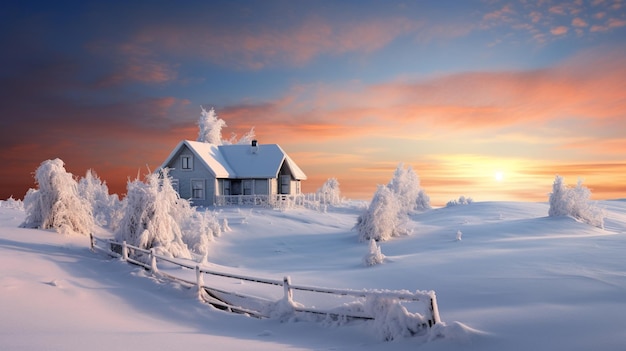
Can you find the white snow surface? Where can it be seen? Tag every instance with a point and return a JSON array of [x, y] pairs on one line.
[[519, 280]]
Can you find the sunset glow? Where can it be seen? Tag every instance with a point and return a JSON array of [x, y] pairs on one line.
[[486, 99]]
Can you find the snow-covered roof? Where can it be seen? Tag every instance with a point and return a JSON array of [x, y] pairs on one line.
[[240, 161]]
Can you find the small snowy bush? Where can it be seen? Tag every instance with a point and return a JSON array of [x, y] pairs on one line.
[[199, 228], [56, 204], [12, 203], [461, 201], [374, 256], [329, 192], [574, 202]]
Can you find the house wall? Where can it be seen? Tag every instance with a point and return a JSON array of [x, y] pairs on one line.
[[198, 172]]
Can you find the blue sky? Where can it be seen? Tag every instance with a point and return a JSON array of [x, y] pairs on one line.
[[457, 90]]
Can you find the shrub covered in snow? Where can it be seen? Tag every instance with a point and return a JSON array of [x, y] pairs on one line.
[[199, 229], [374, 256], [56, 204], [461, 201], [104, 207], [151, 215], [329, 192], [12, 204], [574, 202]]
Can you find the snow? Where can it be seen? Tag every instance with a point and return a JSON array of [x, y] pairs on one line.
[[518, 280]]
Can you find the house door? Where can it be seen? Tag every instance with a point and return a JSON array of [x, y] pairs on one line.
[[235, 187]]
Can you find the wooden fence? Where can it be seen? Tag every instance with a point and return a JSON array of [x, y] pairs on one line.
[[256, 306]]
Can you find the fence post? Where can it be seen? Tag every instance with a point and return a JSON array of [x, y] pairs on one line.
[[199, 281], [92, 244], [153, 264], [124, 251], [434, 309], [287, 289]]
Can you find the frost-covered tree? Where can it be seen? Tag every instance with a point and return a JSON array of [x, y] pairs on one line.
[[150, 216], [247, 138], [104, 206], [422, 203], [388, 211], [574, 202], [57, 204], [329, 192], [405, 185], [210, 127], [383, 218], [156, 217]]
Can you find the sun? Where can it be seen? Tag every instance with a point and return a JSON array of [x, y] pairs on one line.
[[499, 176]]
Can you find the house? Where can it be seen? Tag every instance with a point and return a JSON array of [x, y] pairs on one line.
[[209, 174]]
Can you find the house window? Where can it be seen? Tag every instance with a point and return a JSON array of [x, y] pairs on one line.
[[197, 189], [186, 162], [247, 187], [226, 187]]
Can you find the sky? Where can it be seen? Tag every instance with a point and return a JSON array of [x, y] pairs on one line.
[[487, 99]]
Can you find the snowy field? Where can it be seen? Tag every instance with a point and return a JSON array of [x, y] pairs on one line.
[[517, 280]]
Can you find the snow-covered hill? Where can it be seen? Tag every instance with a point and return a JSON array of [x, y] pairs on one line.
[[517, 280]]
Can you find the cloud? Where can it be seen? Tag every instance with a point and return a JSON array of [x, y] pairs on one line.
[[579, 22], [560, 30], [256, 48]]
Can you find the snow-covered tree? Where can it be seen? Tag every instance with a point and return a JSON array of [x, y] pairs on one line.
[[57, 203], [210, 127], [559, 198], [150, 216], [329, 192], [383, 218], [422, 203], [405, 185], [574, 202], [104, 206], [247, 138], [388, 211]]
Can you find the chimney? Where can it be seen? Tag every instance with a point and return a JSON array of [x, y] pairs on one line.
[[254, 146]]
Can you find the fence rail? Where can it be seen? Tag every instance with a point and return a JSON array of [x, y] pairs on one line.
[[254, 305]]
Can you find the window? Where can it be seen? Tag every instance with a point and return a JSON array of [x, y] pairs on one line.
[[247, 187], [186, 162], [226, 187], [197, 189]]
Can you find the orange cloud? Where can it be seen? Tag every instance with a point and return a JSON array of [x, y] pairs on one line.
[[579, 22], [560, 30]]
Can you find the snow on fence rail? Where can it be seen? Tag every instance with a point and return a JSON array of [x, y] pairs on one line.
[[376, 305]]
